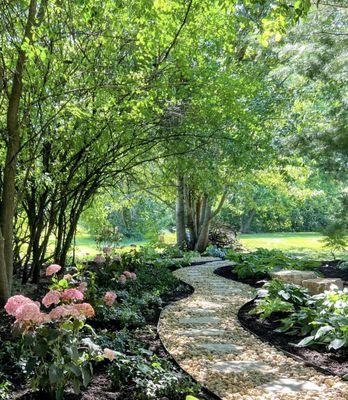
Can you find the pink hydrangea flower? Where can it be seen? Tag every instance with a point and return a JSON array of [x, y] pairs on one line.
[[71, 294], [52, 297], [85, 310], [67, 277], [110, 354], [99, 259], [122, 279], [127, 274], [133, 276], [65, 311], [109, 298], [78, 311], [14, 302], [25, 310], [30, 312], [52, 269]]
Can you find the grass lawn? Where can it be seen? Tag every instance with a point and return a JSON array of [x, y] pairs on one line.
[[306, 244]]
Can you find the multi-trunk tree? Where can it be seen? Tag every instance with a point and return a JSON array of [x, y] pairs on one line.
[[85, 88]]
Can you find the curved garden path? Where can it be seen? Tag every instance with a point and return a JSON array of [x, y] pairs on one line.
[[203, 334]]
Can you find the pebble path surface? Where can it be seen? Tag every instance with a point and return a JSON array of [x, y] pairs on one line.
[[204, 336]]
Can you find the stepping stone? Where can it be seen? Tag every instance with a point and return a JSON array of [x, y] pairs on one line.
[[235, 367], [211, 305], [227, 291], [289, 385], [199, 320], [221, 347], [200, 310], [203, 332]]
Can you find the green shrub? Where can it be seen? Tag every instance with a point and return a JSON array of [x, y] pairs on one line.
[[251, 269], [335, 238], [324, 321], [266, 307], [5, 389], [343, 265]]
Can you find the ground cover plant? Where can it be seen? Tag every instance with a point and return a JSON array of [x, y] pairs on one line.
[[260, 263]]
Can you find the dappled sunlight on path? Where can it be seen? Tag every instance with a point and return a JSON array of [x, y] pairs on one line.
[[203, 334]]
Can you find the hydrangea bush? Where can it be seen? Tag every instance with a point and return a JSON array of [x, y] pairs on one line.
[[56, 347]]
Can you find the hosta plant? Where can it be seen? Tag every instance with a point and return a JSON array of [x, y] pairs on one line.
[[321, 319], [326, 320], [56, 348], [261, 262]]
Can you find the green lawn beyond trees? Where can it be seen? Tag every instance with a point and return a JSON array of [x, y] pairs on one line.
[[297, 243]]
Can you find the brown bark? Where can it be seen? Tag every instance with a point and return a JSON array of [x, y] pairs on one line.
[[203, 237], [4, 288], [245, 226], [9, 175], [180, 214]]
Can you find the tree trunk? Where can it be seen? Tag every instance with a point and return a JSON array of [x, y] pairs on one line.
[[4, 287], [245, 228], [13, 144], [180, 214], [203, 236], [190, 210]]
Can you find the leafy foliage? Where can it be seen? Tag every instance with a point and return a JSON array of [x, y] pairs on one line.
[[321, 319], [336, 237], [260, 263], [150, 376], [278, 296]]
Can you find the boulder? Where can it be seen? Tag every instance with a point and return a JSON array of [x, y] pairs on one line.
[[319, 285], [294, 276]]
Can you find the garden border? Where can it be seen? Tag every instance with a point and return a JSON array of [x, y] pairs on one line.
[[264, 340], [287, 353]]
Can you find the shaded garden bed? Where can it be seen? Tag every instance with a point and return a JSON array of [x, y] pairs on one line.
[[228, 273], [99, 388], [330, 362], [328, 269]]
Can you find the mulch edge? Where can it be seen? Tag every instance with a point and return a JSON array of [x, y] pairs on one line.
[[264, 340], [279, 348]]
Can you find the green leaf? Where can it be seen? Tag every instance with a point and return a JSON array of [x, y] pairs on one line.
[[337, 344], [76, 385], [322, 331], [86, 376], [55, 374], [74, 369], [306, 341]]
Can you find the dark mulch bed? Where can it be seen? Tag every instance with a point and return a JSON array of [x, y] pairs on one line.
[[331, 362], [330, 270], [227, 272], [99, 387]]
